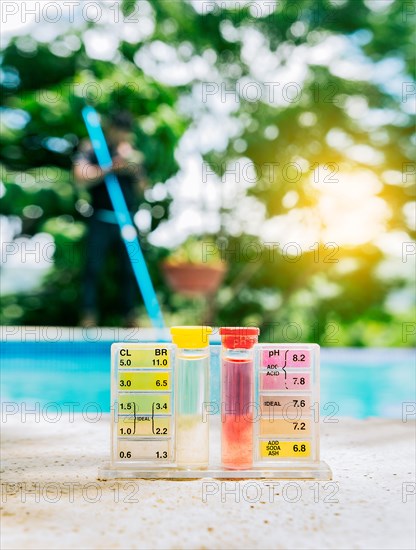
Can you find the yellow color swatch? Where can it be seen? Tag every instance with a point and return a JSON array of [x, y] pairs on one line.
[[144, 426], [144, 403], [144, 381], [154, 358], [274, 448]]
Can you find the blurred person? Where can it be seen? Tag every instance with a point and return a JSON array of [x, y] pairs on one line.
[[103, 229]]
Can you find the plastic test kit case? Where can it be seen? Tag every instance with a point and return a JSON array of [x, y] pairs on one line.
[[164, 424]]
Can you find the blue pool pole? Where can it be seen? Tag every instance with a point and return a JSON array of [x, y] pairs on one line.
[[127, 229]]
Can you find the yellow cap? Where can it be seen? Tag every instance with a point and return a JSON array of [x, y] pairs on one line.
[[191, 337]]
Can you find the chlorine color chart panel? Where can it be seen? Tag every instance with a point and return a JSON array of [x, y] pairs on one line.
[[143, 404], [287, 389]]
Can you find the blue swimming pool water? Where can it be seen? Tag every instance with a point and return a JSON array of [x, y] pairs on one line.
[[360, 382]]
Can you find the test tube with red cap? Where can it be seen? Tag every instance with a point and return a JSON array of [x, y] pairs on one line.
[[237, 396]]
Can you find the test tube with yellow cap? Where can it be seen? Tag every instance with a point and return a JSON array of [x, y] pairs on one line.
[[192, 391]]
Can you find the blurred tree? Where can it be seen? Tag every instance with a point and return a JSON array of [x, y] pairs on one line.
[[315, 91], [37, 160]]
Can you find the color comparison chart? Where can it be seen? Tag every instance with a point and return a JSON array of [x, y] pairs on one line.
[[265, 423]]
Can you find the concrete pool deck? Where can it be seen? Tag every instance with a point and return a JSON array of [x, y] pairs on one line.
[[51, 497]]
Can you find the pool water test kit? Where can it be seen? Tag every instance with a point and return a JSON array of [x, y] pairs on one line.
[[265, 423]]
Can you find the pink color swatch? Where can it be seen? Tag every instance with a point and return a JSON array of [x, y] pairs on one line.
[[278, 379], [288, 358]]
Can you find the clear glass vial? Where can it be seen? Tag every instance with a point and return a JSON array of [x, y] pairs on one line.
[[192, 395]]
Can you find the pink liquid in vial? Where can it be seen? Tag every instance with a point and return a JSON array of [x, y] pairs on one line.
[[237, 414]]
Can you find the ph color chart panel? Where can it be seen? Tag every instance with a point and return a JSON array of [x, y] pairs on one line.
[[287, 389]]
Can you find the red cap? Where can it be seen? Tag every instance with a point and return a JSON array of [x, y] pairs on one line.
[[239, 337]]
